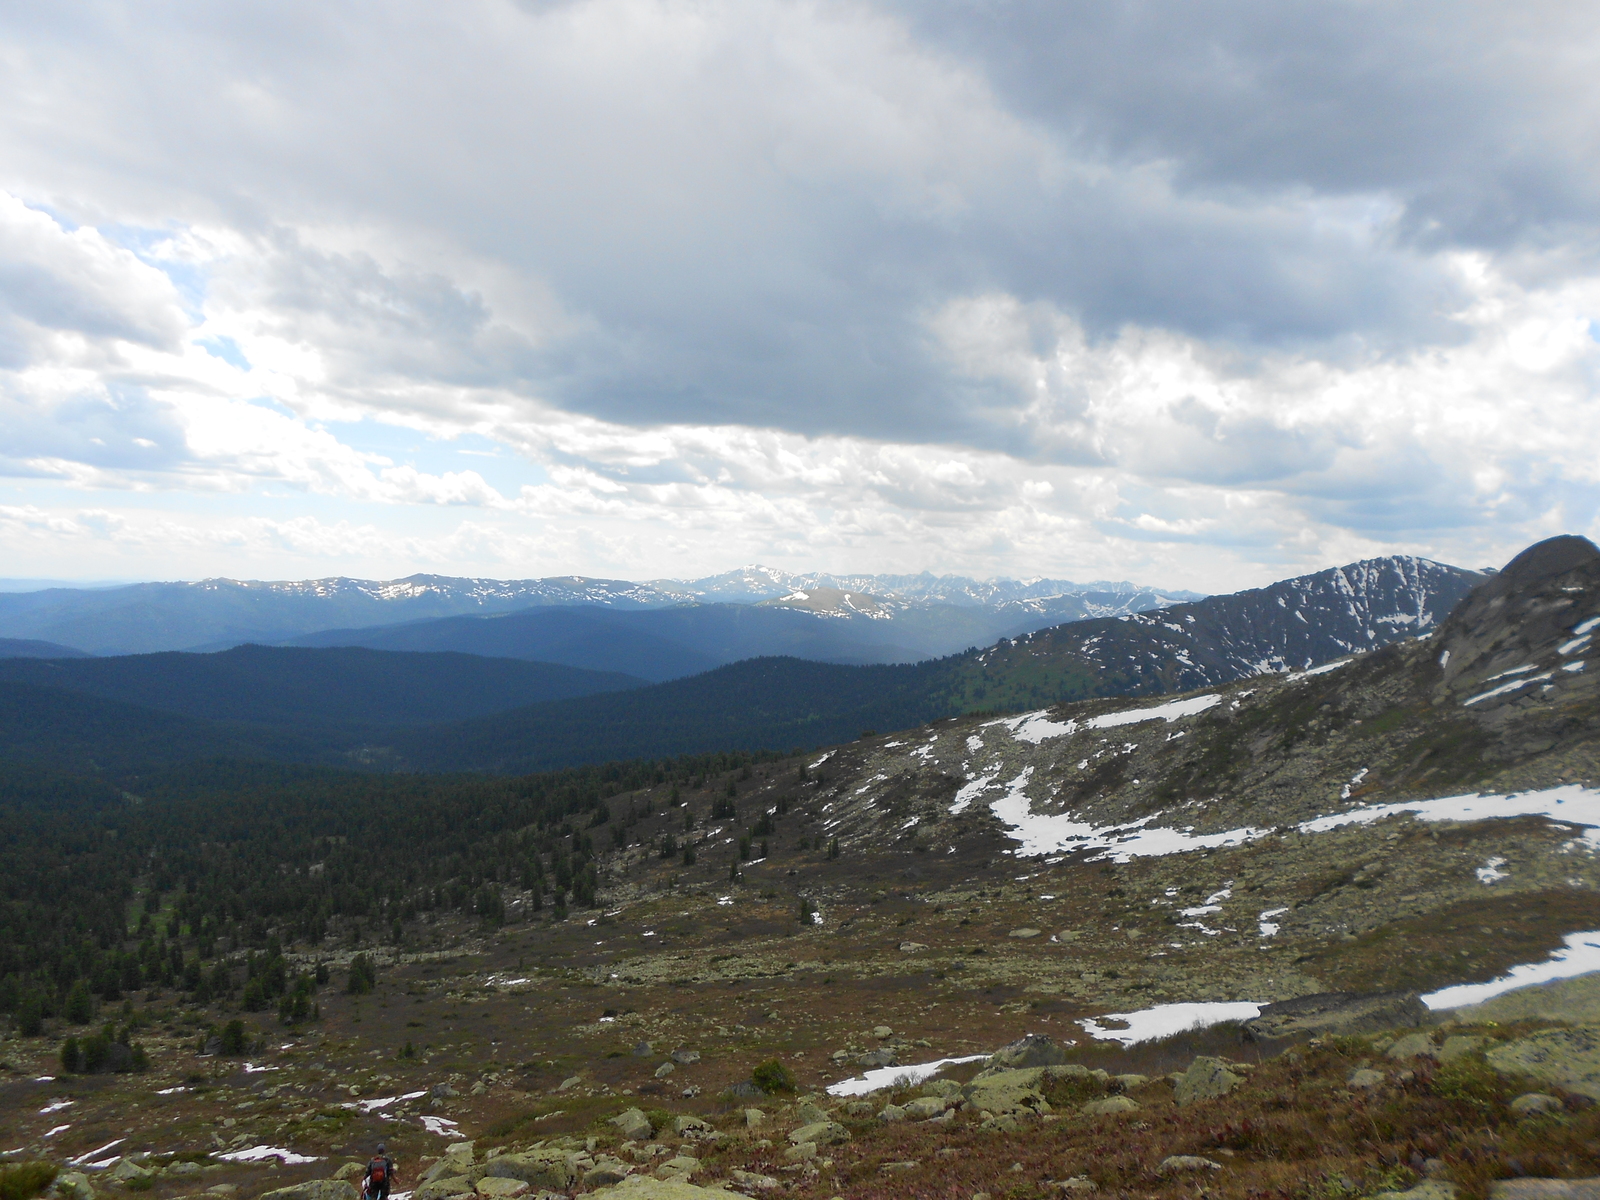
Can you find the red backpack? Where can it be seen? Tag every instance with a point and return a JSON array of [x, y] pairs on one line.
[[377, 1175]]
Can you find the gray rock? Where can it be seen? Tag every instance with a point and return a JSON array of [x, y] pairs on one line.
[[684, 1057], [1413, 1045], [1206, 1079], [1007, 1092], [1129, 1082], [1428, 1189], [1025, 932], [1536, 1104], [438, 1189], [1576, 1000], [1341, 1012], [1177, 1164], [493, 1187], [809, 1112], [885, 1057], [754, 1118], [1459, 1046], [752, 1181], [892, 1113], [546, 1167], [664, 1070], [1569, 1058], [925, 1107], [643, 1187], [1031, 1050], [1365, 1079], [441, 1091], [73, 1185], [894, 1167], [689, 1126], [314, 1189], [457, 1160], [882, 1031], [1545, 1189], [126, 1169], [605, 1172], [643, 1050], [632, 1124], [680, 1166], [1078, 1183], [823, 1133], [1110, 1106]]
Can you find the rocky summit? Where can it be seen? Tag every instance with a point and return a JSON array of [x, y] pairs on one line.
[[1313, 934]]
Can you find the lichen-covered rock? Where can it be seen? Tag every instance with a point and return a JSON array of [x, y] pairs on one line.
[[809, 1112], [1177, 1164], [924, 1107], [1569, 1058], [1110, 1106], [632, 1124], [1428, 1189], [1365, 1079], [1459, 1046], [643, 1187], [439, 1189], [752, 1181], [1545, 1189], [1001, 1092], [73, 1185], [546, 1167], [457, 1159], [679, 1166], [494, 1187], [1206, 1079], [823, 1133], [1031, 1050], [690, 1126], [1413, 1045], [891, 1113], [1536, 1104], [314, 1189]]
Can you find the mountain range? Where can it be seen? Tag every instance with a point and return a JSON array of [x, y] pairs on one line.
[[931, 615], [450, 695]]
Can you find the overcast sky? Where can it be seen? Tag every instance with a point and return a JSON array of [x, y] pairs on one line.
[[1201, 295]]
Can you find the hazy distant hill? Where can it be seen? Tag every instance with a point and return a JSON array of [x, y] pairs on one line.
[[317, 688], [214, 614], [26, 648]]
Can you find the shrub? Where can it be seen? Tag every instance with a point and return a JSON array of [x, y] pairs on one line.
[[363, 976], [80, 1003], [30, 1015], [22, 1181], [773, 1076], [233, 1040]]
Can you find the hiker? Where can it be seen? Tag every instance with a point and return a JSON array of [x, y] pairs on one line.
[[380, 1174]]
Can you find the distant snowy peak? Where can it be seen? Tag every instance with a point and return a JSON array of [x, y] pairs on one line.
[[1290, 625], [752, 584]]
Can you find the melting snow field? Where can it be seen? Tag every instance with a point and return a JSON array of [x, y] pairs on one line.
[[1060, 833], [1581, 956], [256, 1153], [883, 1077], [442, 1126], [1164, 1020], [1035, 727]]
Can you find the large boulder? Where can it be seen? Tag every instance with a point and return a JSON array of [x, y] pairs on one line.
[[1206, 1079], [1030, 1050], [1337, 1012], [643, 1187], [457, 1159], [1576, 1000], [1545, 1189], [439, 1189], [73, 1185], [1003, 1092], [547, 1168], [633, 1125], [1568, 1058], [821, 1133], [314, 1189]]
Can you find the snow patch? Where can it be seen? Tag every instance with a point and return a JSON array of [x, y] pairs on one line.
[[1490, 871], [1164, 1020], [1581, 956], [1270, 928], [442, 1126], [884, 1077], [256, 1153]]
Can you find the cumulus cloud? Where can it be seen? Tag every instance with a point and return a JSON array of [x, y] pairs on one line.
[[1005, 287]]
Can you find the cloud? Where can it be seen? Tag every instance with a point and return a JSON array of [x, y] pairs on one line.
[[1004, 287]]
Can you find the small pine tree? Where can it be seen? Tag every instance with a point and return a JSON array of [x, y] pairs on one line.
[[833, 848], [79, 1008], [688, 855]]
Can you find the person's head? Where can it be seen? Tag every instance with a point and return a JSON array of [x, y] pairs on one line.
[[382, 1149]]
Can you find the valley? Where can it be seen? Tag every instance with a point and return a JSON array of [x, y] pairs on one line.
[[589, 974]]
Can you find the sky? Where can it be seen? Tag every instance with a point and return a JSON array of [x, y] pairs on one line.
[[1197, 295]]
